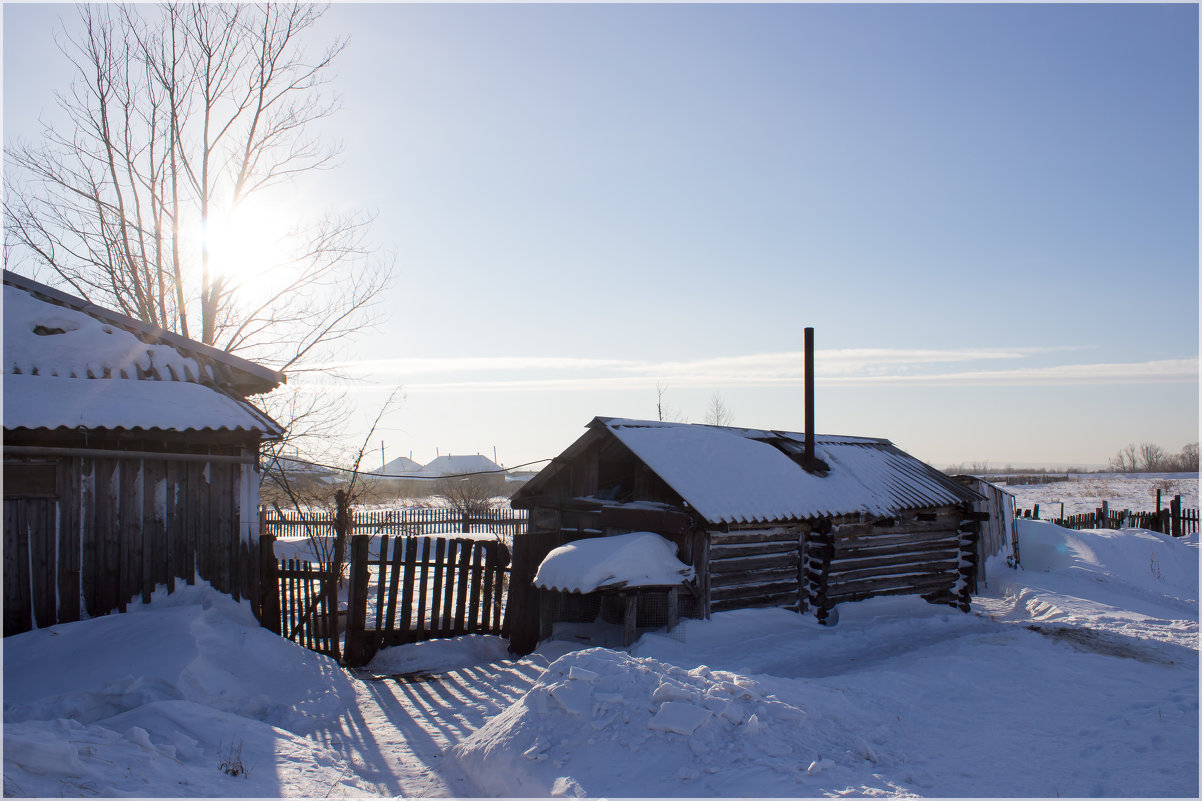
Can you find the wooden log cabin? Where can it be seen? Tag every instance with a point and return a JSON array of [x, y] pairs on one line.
[[131, 459], [763, 519]]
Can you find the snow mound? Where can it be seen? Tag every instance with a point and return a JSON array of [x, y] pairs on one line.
[[1155, 563], [171, 693], [601, 722], [639, 559]]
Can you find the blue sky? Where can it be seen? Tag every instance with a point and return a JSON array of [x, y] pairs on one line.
[[989, 214]]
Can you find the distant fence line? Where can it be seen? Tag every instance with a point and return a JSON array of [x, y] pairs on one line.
[[412, 522], [1021, 480], [1174, 520]]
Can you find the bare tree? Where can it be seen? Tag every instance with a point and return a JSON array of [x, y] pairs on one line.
[[472, 495], [664, 412], [1188, 459], [310, 500], [718, 413], [1126, 460], [1151, 457], [180, 117]]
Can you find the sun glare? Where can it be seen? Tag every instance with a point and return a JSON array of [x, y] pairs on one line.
[[245, 245]]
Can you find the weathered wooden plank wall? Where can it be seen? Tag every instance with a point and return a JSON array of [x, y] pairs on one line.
[[112, 530]]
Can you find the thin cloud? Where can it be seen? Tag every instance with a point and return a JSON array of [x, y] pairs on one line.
[[1164, 371], [782, 365], [477, 364]]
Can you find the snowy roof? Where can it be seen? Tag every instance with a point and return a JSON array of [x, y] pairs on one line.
[[741, 475], [48, 332], [459, 465], [397, 467], [39, 402], [639, 559], [68, 363]]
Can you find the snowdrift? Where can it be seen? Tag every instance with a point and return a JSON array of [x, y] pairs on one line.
[[1146, 560], [187, 696], [600, 722]]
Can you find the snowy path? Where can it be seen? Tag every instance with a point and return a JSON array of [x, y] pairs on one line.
[[402, 727]]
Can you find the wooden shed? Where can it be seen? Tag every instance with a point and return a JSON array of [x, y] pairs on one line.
[[999, 536], [130, 460], [761, 522]]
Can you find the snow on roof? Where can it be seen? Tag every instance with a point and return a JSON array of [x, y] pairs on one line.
[[736, 475], [66, 367], [110, 344], [34, 402], [47, 340], [639, 559], [458, 465], [397, 467]]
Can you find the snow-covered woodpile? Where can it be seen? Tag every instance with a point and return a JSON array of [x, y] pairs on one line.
[[130, 459], [757, 526]]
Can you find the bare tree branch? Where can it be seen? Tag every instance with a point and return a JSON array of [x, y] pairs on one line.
[[179, 115]]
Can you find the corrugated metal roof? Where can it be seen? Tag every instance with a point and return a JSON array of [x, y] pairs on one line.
[[740, 475]]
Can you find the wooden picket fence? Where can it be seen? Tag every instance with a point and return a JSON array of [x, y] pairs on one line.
[[1174, 520], [410, 522], [423, 588], [298, 600]]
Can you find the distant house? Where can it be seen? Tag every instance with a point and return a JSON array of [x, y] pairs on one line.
[[130, 459], [395, 479], [760, 523], [486, 476], [400, 466], [460, 465]]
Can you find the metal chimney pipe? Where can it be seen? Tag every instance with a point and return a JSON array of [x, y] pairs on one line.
[[809, 391]]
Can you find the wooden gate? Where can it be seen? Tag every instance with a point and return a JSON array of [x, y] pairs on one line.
[[422, 588], [299, 600]]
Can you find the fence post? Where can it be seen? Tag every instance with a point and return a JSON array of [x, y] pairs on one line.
[[269, 585], [342, 527], [1035, 512], [1175, 512], [467, 522], [1158, 503], [358, 651]]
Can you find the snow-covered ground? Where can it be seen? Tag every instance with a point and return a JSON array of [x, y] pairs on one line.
[[1085, 492], [1076, 676]]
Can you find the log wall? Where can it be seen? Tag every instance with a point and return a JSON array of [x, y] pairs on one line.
[[754, 567], [812, 565], [930, 553]]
